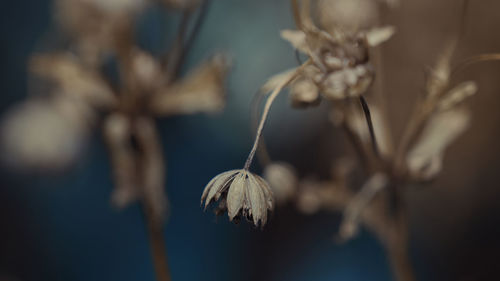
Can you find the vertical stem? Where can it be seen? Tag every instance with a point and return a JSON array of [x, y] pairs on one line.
[[399, 256], [157, 244]]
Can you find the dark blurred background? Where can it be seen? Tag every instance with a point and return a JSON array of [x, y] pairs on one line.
[[62, 227]]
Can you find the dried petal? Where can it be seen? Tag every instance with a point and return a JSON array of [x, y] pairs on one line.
[[457, 95], [236, 195], [297, 38], [442, 129], [201, 91], [71, 78], [379, 35], [439, 77], [218, 185]]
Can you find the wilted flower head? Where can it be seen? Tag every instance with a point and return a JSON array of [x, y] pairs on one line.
[[241, 193]]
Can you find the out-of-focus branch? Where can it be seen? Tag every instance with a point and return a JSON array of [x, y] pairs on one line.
[[152, 169]]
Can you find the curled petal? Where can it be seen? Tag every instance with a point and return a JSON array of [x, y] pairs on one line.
[[236, 195], [217, 185], [379, 35]]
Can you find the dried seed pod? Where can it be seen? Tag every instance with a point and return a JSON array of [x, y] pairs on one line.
[[241, 193], [282, 179]]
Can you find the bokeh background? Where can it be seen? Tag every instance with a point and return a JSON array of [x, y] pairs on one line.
[[62, 226]]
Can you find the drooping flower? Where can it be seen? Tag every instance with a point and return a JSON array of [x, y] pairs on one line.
[[240, 193]]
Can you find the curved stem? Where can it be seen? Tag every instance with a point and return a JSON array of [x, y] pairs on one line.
[[262, 153], [265, 113], [475, 59]]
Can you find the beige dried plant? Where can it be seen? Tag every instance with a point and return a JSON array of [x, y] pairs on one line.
[[49, 131], [339, 69]]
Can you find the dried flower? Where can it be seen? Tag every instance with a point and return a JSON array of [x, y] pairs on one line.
[[241, 193], [340, 65]]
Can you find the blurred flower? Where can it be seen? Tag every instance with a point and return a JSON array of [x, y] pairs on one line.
[[282, 179], [241, 193], [44, 135]]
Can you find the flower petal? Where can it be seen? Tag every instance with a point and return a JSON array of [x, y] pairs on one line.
[[217, 185], [236, 194], [379, 35], [458, 94], [297, 38], [440, 132], [257, 201]]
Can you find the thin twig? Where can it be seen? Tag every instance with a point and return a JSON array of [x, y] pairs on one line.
[[369, 122], [192, 37], [172, 57]]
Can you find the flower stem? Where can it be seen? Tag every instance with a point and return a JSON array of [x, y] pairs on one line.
[[157, 244], [265, 113]]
